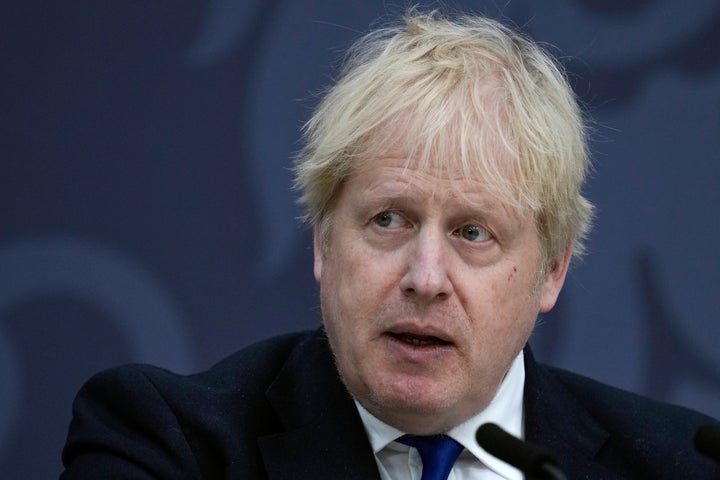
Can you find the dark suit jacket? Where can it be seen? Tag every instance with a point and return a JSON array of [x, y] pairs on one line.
[[277, 410]]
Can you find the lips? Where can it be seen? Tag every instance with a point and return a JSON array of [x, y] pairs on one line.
[[420, 340]]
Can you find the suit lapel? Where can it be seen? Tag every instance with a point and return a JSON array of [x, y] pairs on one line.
[[324, 436], [555, 420]]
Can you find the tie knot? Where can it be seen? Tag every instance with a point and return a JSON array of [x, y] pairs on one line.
[[437, 452]]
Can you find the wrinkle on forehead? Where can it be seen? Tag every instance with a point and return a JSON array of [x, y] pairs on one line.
[[435, 181], [396, 177]]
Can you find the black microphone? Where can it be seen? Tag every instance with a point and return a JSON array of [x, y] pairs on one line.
[[535, 462], [707, 440]]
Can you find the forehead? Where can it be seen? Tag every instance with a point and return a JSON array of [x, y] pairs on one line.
[[396, 180], [400, 156], [396, 173]]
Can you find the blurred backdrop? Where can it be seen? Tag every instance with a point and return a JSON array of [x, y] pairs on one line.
[[146, 213]]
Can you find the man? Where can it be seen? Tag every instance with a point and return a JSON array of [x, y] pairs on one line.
[[442, 175]]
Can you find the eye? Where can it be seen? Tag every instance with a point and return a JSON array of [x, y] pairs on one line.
[[389, 219], [473, 233]]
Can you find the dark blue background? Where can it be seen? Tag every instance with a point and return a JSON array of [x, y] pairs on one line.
[[147, 215]]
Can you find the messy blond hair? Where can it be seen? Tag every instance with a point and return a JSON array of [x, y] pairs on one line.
[[475, 95]]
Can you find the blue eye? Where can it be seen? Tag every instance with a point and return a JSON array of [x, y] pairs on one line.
[[474, 233], [388, 220]]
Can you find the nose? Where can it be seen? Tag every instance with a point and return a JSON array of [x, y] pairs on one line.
[[427, 274]]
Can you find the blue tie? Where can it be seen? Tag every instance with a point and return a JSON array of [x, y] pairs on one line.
[[438, 454]]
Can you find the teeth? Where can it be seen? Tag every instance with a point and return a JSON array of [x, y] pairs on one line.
[[418, 342]]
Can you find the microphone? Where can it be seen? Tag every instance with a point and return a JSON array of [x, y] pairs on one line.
[[535, 462], [707, 440]]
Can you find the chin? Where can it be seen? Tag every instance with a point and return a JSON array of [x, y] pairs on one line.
[[416, 418], [414, 407]]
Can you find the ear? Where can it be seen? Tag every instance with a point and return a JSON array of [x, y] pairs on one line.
[[554, 280], [317, 266]]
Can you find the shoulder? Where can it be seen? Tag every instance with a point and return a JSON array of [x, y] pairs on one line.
[[249, 370], [655, 437], [244, 375], [174, 425], [628, 410]]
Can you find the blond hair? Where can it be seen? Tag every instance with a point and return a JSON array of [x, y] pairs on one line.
[[475, 95]]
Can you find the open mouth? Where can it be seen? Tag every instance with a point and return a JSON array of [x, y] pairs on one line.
[[419, 340]]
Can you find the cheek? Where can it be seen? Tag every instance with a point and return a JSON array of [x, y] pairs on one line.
[[506, 305], [352, 300], [358, 271], [347, 287], [521, 302], [501, 324]]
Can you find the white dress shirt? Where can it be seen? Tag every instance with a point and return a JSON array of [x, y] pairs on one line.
[[397, 461]]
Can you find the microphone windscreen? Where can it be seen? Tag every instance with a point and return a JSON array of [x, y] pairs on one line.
[[707, 440], [526, 457]]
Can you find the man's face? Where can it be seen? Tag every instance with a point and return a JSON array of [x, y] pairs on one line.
[[429, 289]]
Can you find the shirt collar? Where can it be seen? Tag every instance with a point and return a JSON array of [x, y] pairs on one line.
[[505, 409]]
